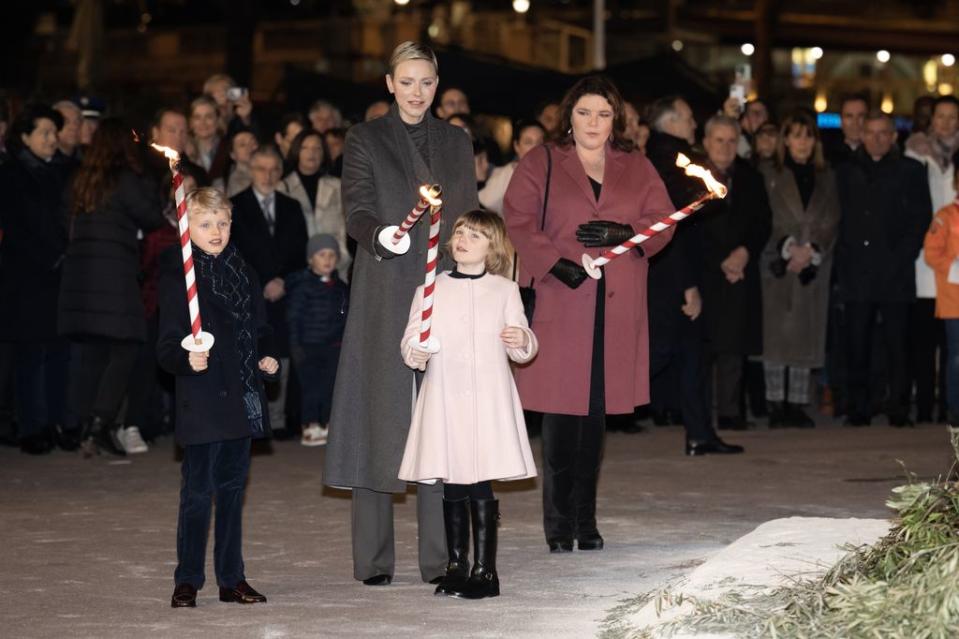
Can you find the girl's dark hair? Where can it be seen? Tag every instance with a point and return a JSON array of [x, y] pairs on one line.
[[522, 125], [293, 159], [26, 123], [603, 87], [111, 151]]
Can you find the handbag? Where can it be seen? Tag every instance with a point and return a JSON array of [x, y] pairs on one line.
[[528, 293]]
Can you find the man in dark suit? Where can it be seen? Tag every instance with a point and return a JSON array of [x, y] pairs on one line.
[[885, 213], [735, 231], [270, 231], [676, 335]]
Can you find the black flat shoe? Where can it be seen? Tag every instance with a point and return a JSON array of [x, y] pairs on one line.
[[711, 447], [560, 545], [68, 439], [592, 541], [184, 596], [733, 423], [242, 593], [39, 444], [379, 580]]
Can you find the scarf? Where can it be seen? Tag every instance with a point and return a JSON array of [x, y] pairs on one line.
[[940, 150], [226, 278]]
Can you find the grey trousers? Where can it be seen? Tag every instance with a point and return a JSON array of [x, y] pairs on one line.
[[372, 518]]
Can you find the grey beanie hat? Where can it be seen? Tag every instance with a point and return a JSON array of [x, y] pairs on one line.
[[322, 241]]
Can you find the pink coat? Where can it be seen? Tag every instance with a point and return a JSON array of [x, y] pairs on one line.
[[468, 422], [558, 380]]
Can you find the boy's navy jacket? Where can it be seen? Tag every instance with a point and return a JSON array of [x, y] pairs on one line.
[[209, 404], [316, 310]]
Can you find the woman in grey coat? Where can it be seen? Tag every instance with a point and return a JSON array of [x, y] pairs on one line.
[[385, 162], [795, 268]]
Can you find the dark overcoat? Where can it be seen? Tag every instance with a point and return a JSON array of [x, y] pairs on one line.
[[100, 293], [558, 380], [34, 240], [886, 209], [372, 399], [209, 404], [794, 315], [734, 312], [270, 256]]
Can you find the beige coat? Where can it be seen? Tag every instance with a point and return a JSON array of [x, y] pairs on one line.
[[325, 215], [467, 424]]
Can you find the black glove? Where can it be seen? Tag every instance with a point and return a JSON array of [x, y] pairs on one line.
[[380, 250], [568, 272], [603, 233], [808, 274]]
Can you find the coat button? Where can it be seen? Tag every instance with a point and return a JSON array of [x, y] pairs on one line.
[[611, 294], [865, 243]]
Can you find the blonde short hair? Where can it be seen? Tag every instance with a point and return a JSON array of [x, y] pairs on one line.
[[217, 78], [410, 50], [208, 200], [499, 260]]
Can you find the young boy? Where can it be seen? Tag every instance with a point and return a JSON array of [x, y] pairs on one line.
[[317, 302], [219, 395]]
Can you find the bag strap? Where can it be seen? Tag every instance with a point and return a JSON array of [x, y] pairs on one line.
[[542, 220]]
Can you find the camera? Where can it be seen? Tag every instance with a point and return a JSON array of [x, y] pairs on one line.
[[235, 94]]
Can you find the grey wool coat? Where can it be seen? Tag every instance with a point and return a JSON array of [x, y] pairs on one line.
[[794, 315], [374, 392]]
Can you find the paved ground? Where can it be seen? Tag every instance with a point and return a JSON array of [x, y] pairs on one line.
[[88, 545]]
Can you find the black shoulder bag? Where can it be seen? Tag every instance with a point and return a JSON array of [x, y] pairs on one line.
[[528, 293]]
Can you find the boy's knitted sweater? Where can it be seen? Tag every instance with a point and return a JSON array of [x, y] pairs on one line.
[[316, 310]]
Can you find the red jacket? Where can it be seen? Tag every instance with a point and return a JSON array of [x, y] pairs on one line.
[[557, 381]]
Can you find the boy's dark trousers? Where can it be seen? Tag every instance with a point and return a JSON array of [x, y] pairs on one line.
[[316, 368], [217, 469]]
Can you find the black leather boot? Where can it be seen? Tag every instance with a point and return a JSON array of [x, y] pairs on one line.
[[102, 437], [777, 415], [483, 581], [797, 417], [456, 519]]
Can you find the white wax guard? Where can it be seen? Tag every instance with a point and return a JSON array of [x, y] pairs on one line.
[[432, 345], [386, 239], [206, 343], [593, 271]]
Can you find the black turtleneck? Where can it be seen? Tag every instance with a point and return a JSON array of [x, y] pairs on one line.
[[805, 175], [420, 135], [310, 183]]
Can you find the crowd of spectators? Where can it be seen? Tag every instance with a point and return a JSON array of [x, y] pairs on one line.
[[806, 291]]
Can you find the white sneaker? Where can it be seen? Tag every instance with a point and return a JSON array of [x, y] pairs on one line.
[[314, 436], [132, 440]]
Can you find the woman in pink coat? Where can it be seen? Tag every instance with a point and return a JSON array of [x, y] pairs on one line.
[[594, 350], [467, 426]]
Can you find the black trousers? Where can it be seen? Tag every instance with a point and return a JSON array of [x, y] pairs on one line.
[[100, 373], [573, 449], [683, 352], [316, 372], [859, 338], [215, 471], [927, 346], [150, 391], [41, 377]]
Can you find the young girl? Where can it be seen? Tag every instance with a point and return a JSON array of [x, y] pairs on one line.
[[467, 426]]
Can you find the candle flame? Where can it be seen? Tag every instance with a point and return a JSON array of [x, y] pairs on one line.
[[714, 186], [169, 153], [431, 193]]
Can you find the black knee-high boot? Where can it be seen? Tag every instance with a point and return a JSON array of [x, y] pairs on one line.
[[456, 519], [483, 581]]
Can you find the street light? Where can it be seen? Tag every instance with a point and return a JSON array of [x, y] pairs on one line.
[[677, 45], [748, 48], [816, 53], [883, 56], [402, 3], [520, 6], [947, 59]]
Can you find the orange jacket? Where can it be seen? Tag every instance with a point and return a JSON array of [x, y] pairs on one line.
[[941, 248]]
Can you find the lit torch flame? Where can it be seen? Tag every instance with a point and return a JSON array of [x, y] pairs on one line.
[[432, 194], [169, 153], [714, 186]]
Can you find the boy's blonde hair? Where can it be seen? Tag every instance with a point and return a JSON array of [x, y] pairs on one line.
[[410, 50], [499, 260], [208, 200]]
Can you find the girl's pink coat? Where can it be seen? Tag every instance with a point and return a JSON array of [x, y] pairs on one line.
[[468, 422]]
